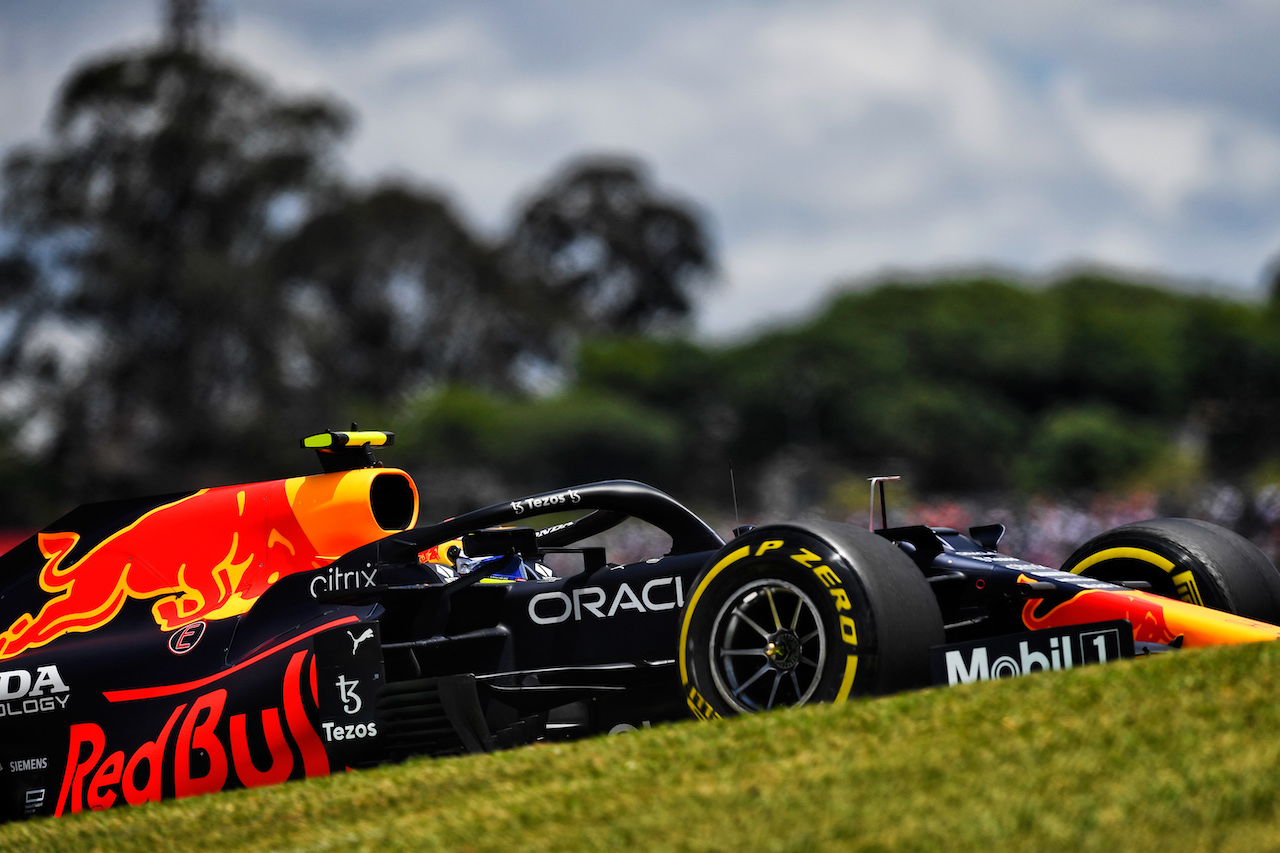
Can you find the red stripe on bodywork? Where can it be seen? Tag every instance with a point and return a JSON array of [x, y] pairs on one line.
[[134, 694], [315, 761]]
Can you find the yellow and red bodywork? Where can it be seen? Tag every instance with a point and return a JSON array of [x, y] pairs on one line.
[[211, 554], [1155, 619], [443, 554]]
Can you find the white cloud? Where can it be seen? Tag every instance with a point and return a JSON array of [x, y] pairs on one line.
[[1159, 154], [38, 47], [827, 140]]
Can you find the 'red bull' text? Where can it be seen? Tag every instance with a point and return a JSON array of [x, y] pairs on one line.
[[194, 752]]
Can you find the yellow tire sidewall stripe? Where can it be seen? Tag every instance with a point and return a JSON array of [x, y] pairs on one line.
[[719, 567], [850, 670], [1140, 554]]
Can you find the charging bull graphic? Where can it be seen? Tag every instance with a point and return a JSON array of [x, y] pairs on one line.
[[208, 555], [1155, 619]]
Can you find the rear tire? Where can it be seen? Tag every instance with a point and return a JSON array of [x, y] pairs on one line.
[[801, 613], [1188, 559]]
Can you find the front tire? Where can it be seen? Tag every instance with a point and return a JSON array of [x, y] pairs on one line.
[[800, 613], [1188, 559]]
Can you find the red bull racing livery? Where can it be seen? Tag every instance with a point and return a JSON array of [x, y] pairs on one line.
[[247, 635]]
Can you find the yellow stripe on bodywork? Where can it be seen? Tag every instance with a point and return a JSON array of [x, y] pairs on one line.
[[1203, 626]]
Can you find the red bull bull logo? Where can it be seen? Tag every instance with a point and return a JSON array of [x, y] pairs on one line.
[[209, 555], [1154, 619]]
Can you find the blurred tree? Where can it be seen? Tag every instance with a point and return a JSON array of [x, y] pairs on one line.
[[488, 446], [932, 377], [390, 292], [190, 270], [157, 202], [187, 23], [1088, 447], [679, 383], [601, 240], [973, 384], [1233, 355], [1122, 343]]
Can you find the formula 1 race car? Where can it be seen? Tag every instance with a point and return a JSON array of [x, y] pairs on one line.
[[247, 635]]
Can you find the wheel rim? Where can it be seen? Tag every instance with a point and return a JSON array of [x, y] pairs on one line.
[[767, 646]]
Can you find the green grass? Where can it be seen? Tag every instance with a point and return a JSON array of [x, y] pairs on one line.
[[1178, 752]]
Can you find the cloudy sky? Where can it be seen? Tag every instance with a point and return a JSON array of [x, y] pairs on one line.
[[823, 141]]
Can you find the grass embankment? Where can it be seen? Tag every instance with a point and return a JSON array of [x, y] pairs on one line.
[[1176, 752]]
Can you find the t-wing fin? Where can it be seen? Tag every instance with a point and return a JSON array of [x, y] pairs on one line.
[[347, 450]]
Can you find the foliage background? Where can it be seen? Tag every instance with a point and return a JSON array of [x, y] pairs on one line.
[[193, 283]]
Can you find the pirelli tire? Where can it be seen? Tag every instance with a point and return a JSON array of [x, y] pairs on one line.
[[792, 614], [1187, 559]]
